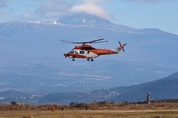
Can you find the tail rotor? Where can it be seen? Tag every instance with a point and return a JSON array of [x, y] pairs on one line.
[[121, 47]]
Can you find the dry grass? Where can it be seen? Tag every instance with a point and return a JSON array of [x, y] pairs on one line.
[[168, 113], [95, 110]]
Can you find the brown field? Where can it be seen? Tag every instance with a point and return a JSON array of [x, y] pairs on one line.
[[90, 110], [168, 113]]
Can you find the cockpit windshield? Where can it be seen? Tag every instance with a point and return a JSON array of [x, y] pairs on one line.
[[72, 51]]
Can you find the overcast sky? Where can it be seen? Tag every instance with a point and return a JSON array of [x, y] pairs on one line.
[[161, 14]]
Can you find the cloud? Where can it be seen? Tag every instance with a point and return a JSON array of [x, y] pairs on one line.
[[48, 10], [91, 9], [53, 9]]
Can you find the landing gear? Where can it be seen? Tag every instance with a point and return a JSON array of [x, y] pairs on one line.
[[73, 59], [88, 59]]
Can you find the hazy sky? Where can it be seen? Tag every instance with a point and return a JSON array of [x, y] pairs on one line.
[[162, 14]]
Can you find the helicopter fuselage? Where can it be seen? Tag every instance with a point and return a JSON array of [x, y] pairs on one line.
[[88, 52]]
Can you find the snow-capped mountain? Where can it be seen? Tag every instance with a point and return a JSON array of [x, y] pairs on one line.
[[83, 19]]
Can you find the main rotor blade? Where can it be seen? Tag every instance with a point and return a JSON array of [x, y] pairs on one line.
[[85, 42], [100, 42], [78, 42], [95, 40], [72, 42], [65, 41]]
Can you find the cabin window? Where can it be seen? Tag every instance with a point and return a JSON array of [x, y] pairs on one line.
[[82, 52], [76, 52]]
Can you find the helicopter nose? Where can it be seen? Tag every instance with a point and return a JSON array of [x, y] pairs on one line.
[[66, 55]]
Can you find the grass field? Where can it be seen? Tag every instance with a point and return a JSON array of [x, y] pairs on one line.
[[166, 113]]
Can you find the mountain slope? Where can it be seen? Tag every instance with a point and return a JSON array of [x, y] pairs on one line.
[[165, 88]]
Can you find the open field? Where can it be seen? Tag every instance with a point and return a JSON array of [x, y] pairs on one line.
[[166, 113], [90, 110]]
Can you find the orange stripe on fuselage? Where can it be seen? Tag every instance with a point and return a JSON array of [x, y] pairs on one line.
[[103, 51]]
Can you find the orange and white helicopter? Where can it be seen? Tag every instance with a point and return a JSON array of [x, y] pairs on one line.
[[88, 52]]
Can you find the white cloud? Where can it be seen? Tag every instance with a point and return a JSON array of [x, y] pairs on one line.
[[91, 9]]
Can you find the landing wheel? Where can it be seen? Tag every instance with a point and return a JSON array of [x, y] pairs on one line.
[[73, 59], [92, 59], [88, 59]]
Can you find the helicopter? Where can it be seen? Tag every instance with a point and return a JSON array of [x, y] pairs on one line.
[[89, 52]]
